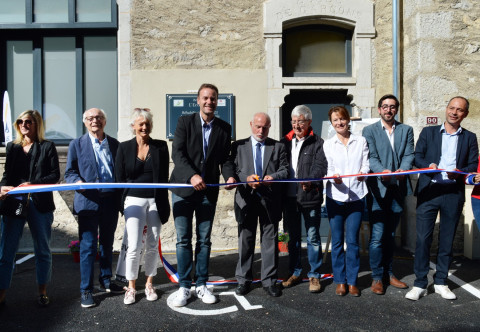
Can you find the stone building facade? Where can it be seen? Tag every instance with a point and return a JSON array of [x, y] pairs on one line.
[[169, 47]]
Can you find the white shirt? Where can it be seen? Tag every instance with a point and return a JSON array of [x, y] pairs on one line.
[[344, 160], [391, 136], [448, 158], [296, 147]]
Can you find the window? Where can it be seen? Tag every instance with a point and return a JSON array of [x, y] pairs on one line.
[[63, 68], [51, 14], [317, 50]]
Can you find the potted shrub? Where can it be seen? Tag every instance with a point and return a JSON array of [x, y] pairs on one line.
[[283, 241], [74, 248]]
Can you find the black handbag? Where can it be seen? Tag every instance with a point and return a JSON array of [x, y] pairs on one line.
[[15, 206]]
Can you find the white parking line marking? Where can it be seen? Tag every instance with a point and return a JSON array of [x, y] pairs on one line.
[[213, 312], [469, 288], [26, 258]]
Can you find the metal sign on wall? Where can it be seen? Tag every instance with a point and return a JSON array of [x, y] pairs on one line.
[[184, 104]]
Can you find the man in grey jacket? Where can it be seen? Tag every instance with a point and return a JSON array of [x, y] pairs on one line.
[[258, 158], [391, 150]]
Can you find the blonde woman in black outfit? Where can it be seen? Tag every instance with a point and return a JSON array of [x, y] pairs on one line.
[[30, 160]]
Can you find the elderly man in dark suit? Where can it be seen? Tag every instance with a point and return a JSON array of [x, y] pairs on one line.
[[448, 147], [200, 148], [258, 158], [391, 148], [91, 159]]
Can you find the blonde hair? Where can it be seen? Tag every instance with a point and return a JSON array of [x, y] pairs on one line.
[[37, 120]]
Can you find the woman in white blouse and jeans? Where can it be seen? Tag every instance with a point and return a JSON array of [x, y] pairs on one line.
[[346, 154]]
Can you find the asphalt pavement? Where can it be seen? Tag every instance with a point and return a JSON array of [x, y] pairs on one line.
[[296, 309]]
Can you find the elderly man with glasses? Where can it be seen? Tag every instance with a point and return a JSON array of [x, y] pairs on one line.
[[91, 159], [303, 200]]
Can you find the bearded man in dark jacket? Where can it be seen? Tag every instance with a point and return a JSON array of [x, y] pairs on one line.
[[303, 200]]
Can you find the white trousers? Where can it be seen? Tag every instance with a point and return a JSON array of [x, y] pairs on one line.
[[138, 212]]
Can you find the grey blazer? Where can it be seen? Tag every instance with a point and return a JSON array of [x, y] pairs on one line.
[[382, 157], [275, 164]]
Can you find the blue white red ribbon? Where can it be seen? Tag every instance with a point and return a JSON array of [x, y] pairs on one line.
[[36, 188]]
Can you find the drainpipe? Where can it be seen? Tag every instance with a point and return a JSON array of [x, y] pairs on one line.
[[395, 49]]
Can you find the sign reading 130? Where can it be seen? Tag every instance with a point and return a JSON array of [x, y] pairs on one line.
[[178, 105]]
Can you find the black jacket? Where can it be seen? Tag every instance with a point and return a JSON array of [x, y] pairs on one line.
[[44, 169], [312, 164], [125, 165], [187, 154]]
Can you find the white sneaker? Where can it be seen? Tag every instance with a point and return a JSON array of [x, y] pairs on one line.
[[150, 292], [181, 297], [445, 292], [204, 293], [130, 296], [416, 293]]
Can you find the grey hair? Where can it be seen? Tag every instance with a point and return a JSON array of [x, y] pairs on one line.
[[101, 111], [302, 110], [141, 113]]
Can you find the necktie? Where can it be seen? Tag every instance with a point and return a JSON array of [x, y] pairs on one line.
[[258, 160], [205, 141]]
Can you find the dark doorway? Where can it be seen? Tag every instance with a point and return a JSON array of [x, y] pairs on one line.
[[319, 101]]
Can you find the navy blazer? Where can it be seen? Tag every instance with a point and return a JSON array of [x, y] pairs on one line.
[[382, 157], [429, 150], [274, 163], [82, 166], [44, 169], [125, 171], [187, 154]]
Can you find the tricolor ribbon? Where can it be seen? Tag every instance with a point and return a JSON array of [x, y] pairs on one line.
[[36, 188]]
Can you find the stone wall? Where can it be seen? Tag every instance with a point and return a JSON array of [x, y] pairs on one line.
[[196, 34], [441, 56]]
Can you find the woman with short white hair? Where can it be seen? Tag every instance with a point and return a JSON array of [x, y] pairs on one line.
[[143, 160]]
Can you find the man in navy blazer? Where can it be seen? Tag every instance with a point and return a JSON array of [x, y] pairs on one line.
[[391, 148], [91, 159], [448, 147], [254, 158], [199, 151]]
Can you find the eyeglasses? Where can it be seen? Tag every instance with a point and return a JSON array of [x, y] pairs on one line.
[[300, 122], [386, 107], [98, 118], [25, 122], [141, 109]]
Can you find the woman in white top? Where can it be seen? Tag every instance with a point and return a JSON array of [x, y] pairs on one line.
[[346, 154]]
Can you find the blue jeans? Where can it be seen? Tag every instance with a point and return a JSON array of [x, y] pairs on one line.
[[384, 219], [40, 225], [345, 217], [293, 217], [183, 209], [99, 228], [450, 206]]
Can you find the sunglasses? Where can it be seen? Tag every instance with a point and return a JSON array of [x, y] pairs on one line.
[[26, 122]]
